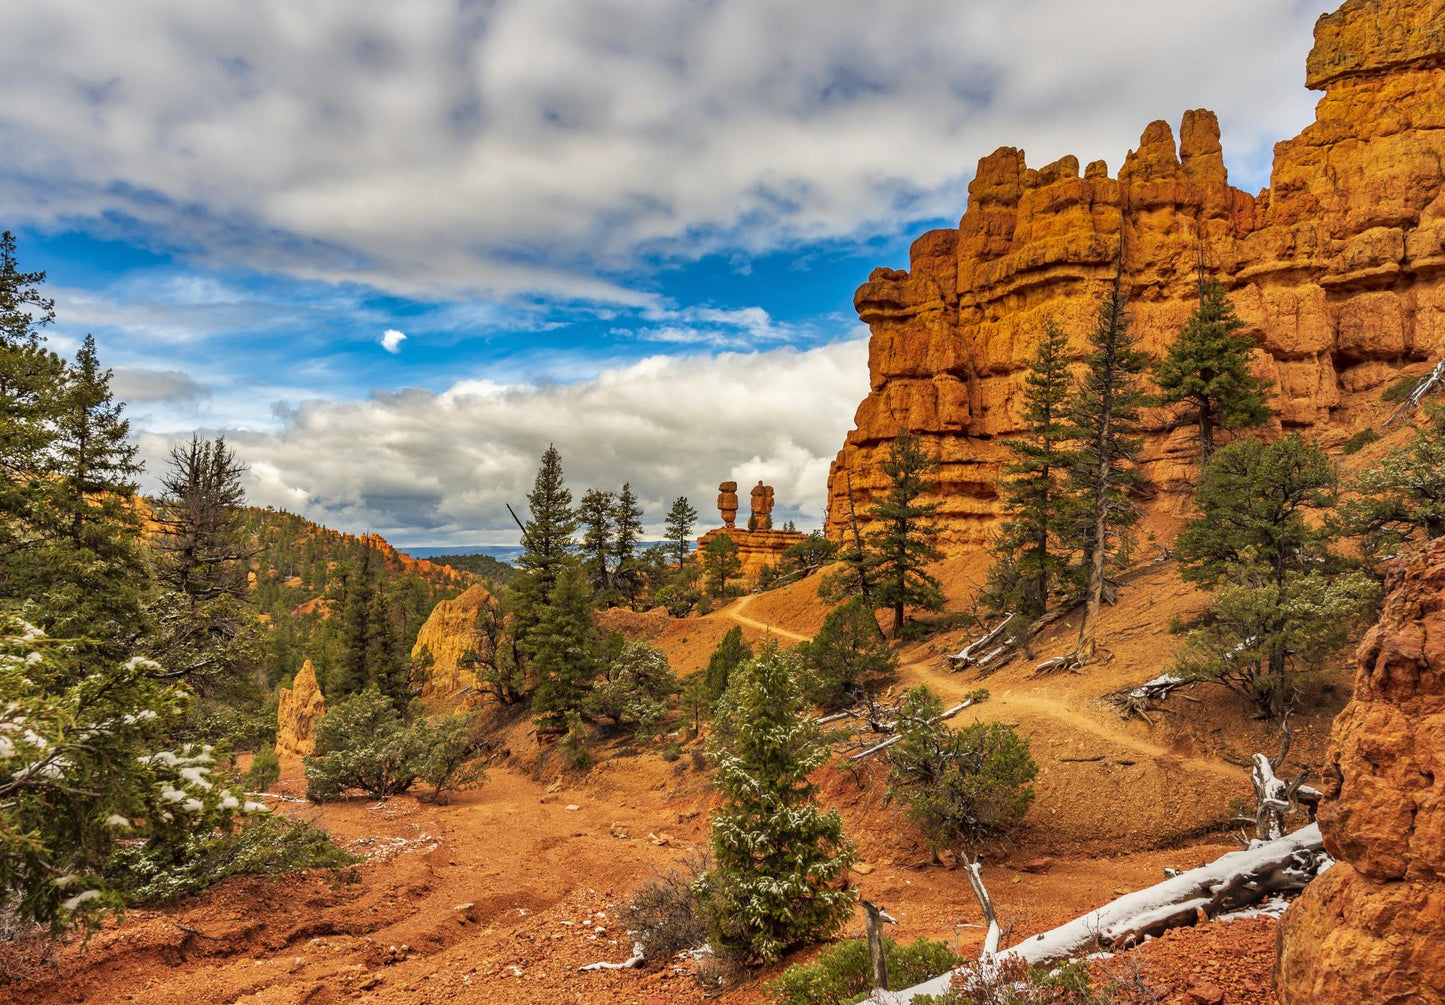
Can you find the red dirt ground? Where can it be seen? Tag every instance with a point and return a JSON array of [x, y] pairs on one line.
[[500, 896]]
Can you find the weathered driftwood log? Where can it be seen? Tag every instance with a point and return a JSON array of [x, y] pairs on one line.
[[1139, 700], [1236, 880], [975, 651], [948, 713]]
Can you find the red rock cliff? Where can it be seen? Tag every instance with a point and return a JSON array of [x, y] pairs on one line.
[[1337, 267], [1372, 928]]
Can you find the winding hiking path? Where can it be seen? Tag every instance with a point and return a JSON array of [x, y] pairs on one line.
[[735, 612]]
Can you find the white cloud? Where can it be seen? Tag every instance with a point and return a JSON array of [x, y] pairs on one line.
[[391, 340], [484, 148], [424, 468]]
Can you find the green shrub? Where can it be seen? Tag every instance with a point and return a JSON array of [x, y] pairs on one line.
[[363, 743], [1362, 438], [1400, 390], [634, 689], [841, 973], [265, 769], [451, 760], [848, 651], [963, 787], [573, 745], [267, 845], [671, 751]]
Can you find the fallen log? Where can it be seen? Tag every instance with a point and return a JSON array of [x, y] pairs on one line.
[[945, 714], [1233, 881], [965, 658], [633, 961]]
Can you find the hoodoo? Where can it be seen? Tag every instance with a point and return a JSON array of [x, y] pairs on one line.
[[1336, 268]]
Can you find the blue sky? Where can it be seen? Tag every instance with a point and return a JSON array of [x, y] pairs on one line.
[[633, 229]]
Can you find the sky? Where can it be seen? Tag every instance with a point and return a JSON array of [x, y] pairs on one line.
[[392, 250]]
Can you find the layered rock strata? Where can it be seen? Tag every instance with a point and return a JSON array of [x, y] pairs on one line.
[[1372, 929], [1336, 268], [301, 705]]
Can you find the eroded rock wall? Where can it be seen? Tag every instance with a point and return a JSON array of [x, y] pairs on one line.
[[1372, 929], [1336, 268], [448, 633]]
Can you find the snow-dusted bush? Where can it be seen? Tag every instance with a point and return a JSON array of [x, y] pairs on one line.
[[84, 767]]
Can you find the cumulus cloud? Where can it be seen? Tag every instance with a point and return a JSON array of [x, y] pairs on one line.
[[437, 469], [489, 148], [391, 340]]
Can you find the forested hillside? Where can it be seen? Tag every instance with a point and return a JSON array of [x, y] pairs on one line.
[[334, 598]]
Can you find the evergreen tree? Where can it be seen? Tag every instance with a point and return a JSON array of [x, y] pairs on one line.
[[1251, 502], [847, 651], [595, 517], [564, 652], [1276, 613], [961, 786], [779, 861], [29, 377], [1033, 487], [1207, 366], [627, 518], [680, 520], [902, 546], [1402, 496], [546, 546], [634, 688], [205, 627], [1104, 420], [732, 652], [86, 555], [721, 565]]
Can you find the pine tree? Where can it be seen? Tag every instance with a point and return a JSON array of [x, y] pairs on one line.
[[564, 651], [721, 565], [779, 861], [86, 554], [680, 520], [1033, 488], [206, 630], [595, 517], [627, 518], [1207, 366], [847, 652], [732, 652], [546, 546], [1104, 418], [1275, 608], [29, 376], [903, 545]]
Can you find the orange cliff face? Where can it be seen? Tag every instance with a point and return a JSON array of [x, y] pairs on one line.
[[1338, 269], [1369, 929]]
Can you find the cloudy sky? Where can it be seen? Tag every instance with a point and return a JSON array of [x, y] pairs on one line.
[[394, 249]]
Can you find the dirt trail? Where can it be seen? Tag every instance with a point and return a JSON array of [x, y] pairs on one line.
[[1066, 711], [735, 609]]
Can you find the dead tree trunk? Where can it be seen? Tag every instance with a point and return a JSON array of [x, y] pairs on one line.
[[877, 959]]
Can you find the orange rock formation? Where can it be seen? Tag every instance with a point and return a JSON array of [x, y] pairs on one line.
[[760, 546], [449, 632], [301, 705], [1370, 929], [1336, 268]]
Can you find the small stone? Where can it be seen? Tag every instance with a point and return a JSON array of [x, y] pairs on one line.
[[1037, 865], [1206, 994], [862, 868], [573, 806]]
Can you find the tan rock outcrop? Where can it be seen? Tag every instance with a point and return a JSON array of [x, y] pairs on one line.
[[301, 705], [1372, 929], [1336, 268], [448, 633]]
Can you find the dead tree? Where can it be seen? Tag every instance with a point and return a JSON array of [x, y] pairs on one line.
[[1428, 385], [1273, 796], [876, 915], [1139, 700]]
